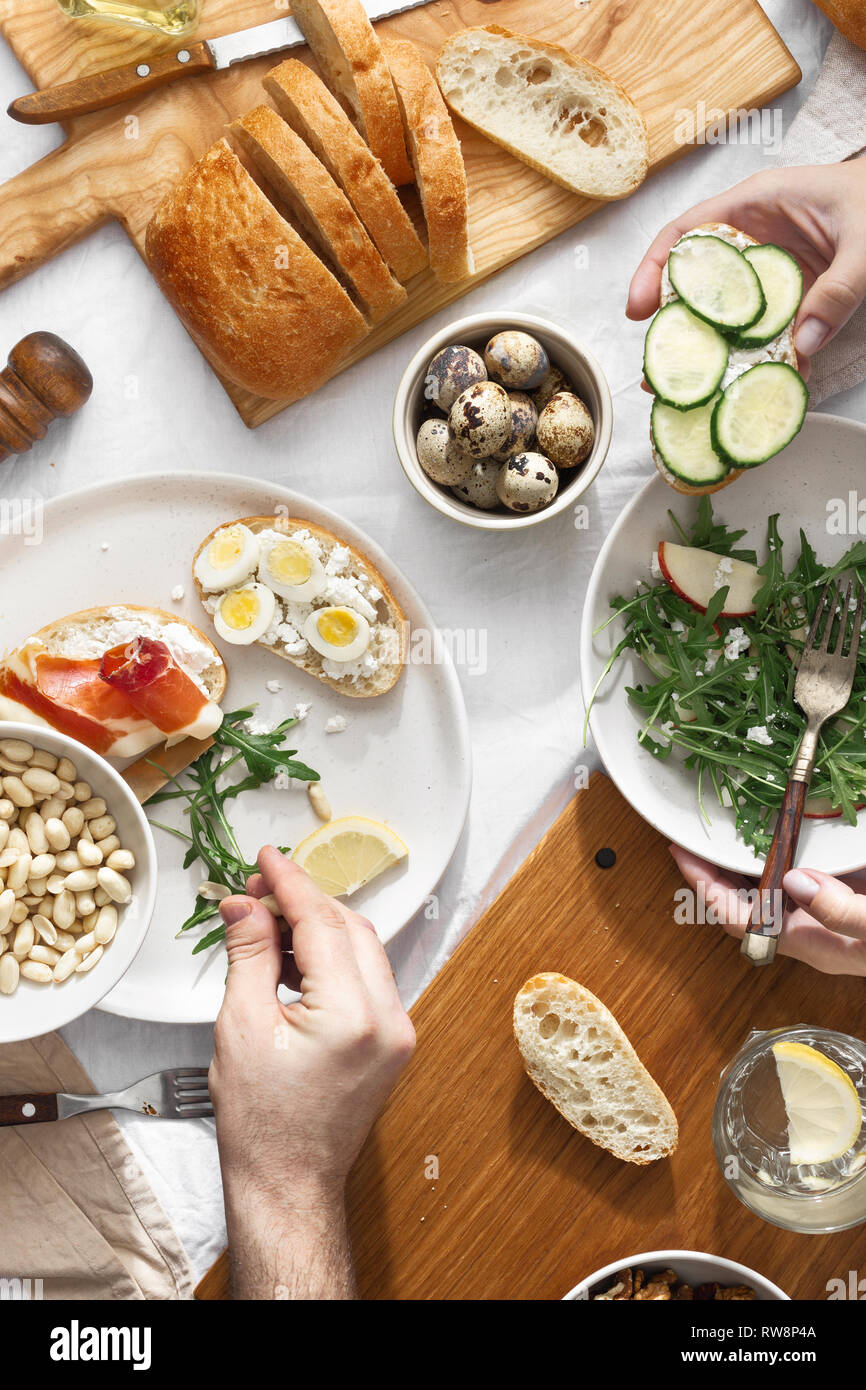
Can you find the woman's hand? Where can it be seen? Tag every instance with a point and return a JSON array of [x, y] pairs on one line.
[[816, 212], [830, 935]]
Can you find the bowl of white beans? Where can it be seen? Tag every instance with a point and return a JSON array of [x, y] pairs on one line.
[[77, 879]]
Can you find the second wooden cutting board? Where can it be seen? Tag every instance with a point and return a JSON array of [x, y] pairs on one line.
[[472, 1186]]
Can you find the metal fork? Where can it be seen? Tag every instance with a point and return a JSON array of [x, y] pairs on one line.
[[825, 678], [179, 1094]]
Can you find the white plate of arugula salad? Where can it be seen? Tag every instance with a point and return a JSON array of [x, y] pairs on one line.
[[402, 758], [695, 616]]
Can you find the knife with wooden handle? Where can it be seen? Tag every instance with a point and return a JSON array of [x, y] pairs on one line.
[[126, 83]]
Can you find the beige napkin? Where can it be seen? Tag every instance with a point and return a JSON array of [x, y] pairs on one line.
[[76, 1211], [828, 128]]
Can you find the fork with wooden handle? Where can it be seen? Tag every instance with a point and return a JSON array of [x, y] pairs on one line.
[[825, 678], [179, 1094]]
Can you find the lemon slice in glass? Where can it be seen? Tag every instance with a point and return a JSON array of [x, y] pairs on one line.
[[824, 1111], [344, 854]]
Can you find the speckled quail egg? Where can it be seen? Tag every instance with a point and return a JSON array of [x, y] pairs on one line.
[[516, 360], [480, 419], [555, 381], [527, 482], [565, 430], [521, 431], [452, 371], [480, 487], [441, 456]]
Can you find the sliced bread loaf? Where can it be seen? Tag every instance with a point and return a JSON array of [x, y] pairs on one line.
[[320, 207], [556, 112], [303, 100], [437, 160], [345, 46], [581, 1060], [260, 304]]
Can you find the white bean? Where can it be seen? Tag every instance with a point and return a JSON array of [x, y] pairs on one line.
[[37, 972], [89, 853], [45, 929], [10, 972], [83, 792], [81, 880], [85, 943], [42, 865], [41, 781], [65, 939], [101, 827], [90, 960], [89, 922], [66, 791], [68, 861], [66, 770], [17, 792], [45, 954], [91, 808], [68, 962], [7, 809], [108, 845], [7, 903], [56, 833], [8, 857], [42, 758], [36, 888], [100, 897], [53, 808], [106, 924], [19, 872], [55, 884], [84, 904], [120, 859], [17, 839], [118, 888], [22, 942], [4, 834], [17, 749], [73, 819], [34, 829], [64, 910], [319, 802], [19, 913]]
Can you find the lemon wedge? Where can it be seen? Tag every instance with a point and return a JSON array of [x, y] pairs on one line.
[[824, 1111], [344, 854]]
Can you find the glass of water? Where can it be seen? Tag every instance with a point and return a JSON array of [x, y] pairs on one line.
[[750, 1136]]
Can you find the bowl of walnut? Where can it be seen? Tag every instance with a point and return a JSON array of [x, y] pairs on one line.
[[664, 1276]]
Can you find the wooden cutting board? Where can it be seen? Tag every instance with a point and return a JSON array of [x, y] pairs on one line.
[[121, 163], [523, 1207]]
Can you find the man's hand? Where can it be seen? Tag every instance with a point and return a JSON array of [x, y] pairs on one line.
[[830, 936], [296, 1087], [816, 212]]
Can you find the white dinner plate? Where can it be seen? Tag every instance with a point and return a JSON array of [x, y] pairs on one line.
[[404, 757], [824, 466]]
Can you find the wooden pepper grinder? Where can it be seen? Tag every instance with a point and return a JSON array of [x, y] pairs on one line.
[[45, 379]]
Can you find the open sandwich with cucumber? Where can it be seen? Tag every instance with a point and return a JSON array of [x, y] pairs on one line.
[[720, 358]]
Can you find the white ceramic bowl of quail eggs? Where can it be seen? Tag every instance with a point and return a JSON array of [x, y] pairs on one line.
[[502, 420]]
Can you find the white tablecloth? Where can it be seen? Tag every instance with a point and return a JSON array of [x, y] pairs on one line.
[[157, 406]]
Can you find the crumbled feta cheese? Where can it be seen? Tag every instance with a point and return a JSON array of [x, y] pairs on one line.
[[752, 673], [336, 724], [301, 711], [667, 728], [104, 546], [759, 734], [736, 643], [177, 593], [273, 686], [723, 572], [712, 661], [678, 626], [257, 725], [366, 665], [337, 560]]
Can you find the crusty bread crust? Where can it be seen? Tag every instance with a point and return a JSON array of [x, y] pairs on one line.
[[614, 93], [790, 356], [303, 100], [612, 1089], [54, 636], [848, 16], [319, 205], [345, 46], [437, 160], [277, 325], [310, 662]]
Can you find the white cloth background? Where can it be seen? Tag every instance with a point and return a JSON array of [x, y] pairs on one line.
[[157, 406]]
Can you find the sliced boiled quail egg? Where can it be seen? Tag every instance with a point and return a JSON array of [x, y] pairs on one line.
[[292, 572], [340, 634], [229, 559], [244, 615]]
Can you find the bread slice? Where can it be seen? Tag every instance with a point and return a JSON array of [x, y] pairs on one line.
[[561, 115], [303, 100], [345, 46], [91, 632], [781, 348], [389, 629], [260, 304], [320, 208], [581, 1060], [437, 160]]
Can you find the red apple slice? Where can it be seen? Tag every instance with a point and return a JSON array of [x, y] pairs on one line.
[[695, 575]]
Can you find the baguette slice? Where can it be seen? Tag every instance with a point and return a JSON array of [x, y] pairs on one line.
[[303, 100], [259, 303], [344, 44], [782, 347], [559, 114], [91, 632], [581, 1060], [438, 161], [389, 634], [319, 207]]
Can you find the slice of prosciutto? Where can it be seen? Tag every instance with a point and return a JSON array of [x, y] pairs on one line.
[[145, 673]]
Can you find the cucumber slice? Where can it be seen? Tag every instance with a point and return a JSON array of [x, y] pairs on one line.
[[782, 282], [716, 281], [683, 441], [684, 358], [759, 413]]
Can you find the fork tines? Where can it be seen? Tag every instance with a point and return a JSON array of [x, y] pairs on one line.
[[191, 1094], [830, 602]]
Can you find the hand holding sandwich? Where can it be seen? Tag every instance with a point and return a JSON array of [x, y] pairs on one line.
[[816, 212], [296, 1088]]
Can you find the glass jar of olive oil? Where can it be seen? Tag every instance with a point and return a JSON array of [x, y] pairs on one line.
[[175, 17]]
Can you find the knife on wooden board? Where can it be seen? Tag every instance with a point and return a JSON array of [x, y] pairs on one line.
[[126, 83]]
